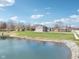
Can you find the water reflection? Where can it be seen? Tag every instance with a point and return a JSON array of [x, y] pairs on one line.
[[29, 49]]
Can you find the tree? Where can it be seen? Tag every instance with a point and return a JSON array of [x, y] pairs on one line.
[[10, 25], [58, 25], [3, 25]]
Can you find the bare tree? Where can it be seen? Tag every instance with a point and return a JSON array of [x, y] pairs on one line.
[[3, 25], [10, 26], [58, 25]]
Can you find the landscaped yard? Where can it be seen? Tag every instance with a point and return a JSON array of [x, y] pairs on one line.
[[48, 35]]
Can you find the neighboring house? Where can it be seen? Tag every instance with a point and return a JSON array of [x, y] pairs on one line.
[[41, 28], [64, 29], [75, 28], [20, 27], [56, 30]]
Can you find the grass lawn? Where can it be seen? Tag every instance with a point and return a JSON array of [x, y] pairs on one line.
[[48, 35]]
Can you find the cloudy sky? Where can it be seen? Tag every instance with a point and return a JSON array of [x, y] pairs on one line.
[[45, 12]]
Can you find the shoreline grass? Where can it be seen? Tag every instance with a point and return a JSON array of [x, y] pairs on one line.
[[48, 35], [45, 35]]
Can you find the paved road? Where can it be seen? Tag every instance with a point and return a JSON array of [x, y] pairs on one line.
[[76, 34]]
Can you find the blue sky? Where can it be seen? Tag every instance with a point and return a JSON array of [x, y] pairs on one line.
[[45, 12]]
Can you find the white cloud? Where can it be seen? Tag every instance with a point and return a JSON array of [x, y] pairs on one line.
[[4, 3], [46, 23], [78, 10], [14, 18], [36, 16], [1, 19], [74, 16], [70, 19]]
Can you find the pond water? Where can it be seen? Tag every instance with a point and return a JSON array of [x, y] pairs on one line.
[[27, 49]]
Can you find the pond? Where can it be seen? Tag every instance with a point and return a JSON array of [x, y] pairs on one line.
[[14, 48]]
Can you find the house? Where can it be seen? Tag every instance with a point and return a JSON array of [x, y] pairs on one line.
[[41, 28], [20, 27], [64, 29], [75, 28]]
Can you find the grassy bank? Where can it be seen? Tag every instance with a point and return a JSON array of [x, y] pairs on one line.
[[48, 35]]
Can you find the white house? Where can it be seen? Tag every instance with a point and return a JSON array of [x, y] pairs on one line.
[[41, 28]]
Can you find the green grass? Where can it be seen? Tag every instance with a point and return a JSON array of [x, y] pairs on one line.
[[48, 35]]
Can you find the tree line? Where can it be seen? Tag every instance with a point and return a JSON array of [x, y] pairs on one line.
[[20, 26]]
